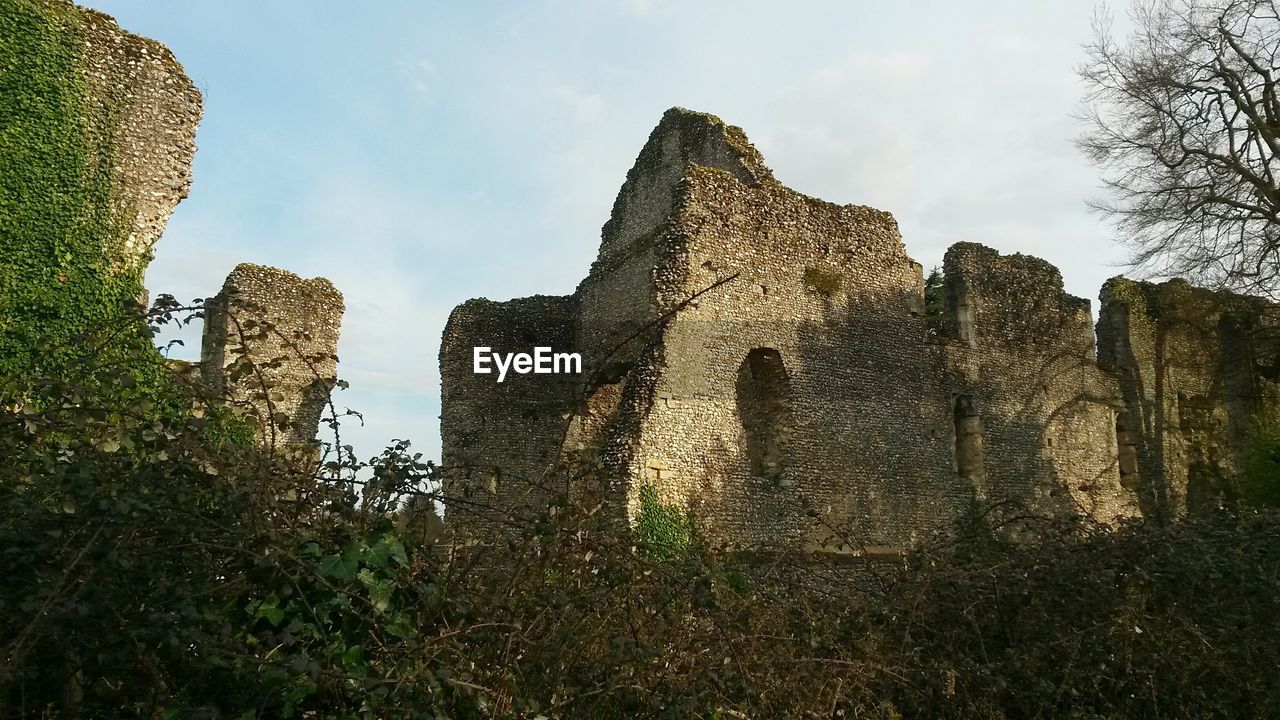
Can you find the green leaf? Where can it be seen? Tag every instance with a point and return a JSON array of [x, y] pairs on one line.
[[397, 550], [387, 547], [270, 610], [379, 590], [353, 660], [339, 567], [400, 627]]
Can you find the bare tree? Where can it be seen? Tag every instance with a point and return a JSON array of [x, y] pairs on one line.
[[1185, 124]]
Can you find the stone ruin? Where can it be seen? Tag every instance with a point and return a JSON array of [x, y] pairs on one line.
[[154, 109], [288, 326], [769, 362], [764, 359]]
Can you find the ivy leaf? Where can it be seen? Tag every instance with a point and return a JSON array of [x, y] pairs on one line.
[[353, 661], [339, 567], [387, 547], [401, 627], [270, 610], [397, 550], [379, 590]]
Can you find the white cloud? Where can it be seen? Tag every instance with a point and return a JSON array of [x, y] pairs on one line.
[[421, 74], [640, 8], [583, 107]]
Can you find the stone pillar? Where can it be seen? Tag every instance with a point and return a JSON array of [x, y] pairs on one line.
[[270, 349]]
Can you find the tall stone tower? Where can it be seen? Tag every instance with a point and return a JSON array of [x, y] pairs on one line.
[[97, 134]]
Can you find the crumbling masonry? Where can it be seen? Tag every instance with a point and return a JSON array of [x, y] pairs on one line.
[[142, 111], [270, 348], [151, 109], [765, 360]]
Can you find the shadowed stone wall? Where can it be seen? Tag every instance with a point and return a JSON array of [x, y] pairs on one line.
[[762, 359], [501, 438], [1194, 367], [831, 291], [1022, 351]]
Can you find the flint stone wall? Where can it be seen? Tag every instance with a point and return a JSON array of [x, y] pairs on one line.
[[500, 439], [154, 109], [1024, 351], [286, 328], [1195, 367], [762, 359], [133, 111]]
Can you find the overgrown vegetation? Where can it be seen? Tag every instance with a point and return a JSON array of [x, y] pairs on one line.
[[153, 569], [935, 301], [663, 531], [1259, 477]]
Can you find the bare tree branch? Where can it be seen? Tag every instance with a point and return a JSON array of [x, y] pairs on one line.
[[1184, 120]]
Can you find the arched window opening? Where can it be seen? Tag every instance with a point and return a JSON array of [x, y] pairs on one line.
[[969, 433], [764, 405], [1126, 451]]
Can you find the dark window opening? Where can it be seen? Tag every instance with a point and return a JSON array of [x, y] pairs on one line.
[[969, 432], [1126, 451], [764, 405]]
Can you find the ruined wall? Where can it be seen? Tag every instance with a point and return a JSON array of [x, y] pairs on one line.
[[618, 298], [820, 332], [787, 385], [1021, 354], [499, 439], [152, 110], [537, 427], [286, 328], [97, 134], [1187, 362], [863, 433]]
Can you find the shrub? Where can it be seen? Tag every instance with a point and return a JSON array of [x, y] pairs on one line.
[[157, 564], [663, 531], [1259, 477]]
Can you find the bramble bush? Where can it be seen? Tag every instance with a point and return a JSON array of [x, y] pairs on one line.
[[1259, 477], [158, 563]]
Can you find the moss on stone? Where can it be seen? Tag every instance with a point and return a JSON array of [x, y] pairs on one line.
[[823, 280]]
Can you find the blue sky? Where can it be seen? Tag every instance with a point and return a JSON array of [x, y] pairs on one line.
[[420, 153]]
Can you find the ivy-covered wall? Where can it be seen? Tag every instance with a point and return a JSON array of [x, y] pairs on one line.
[[97, 134]]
